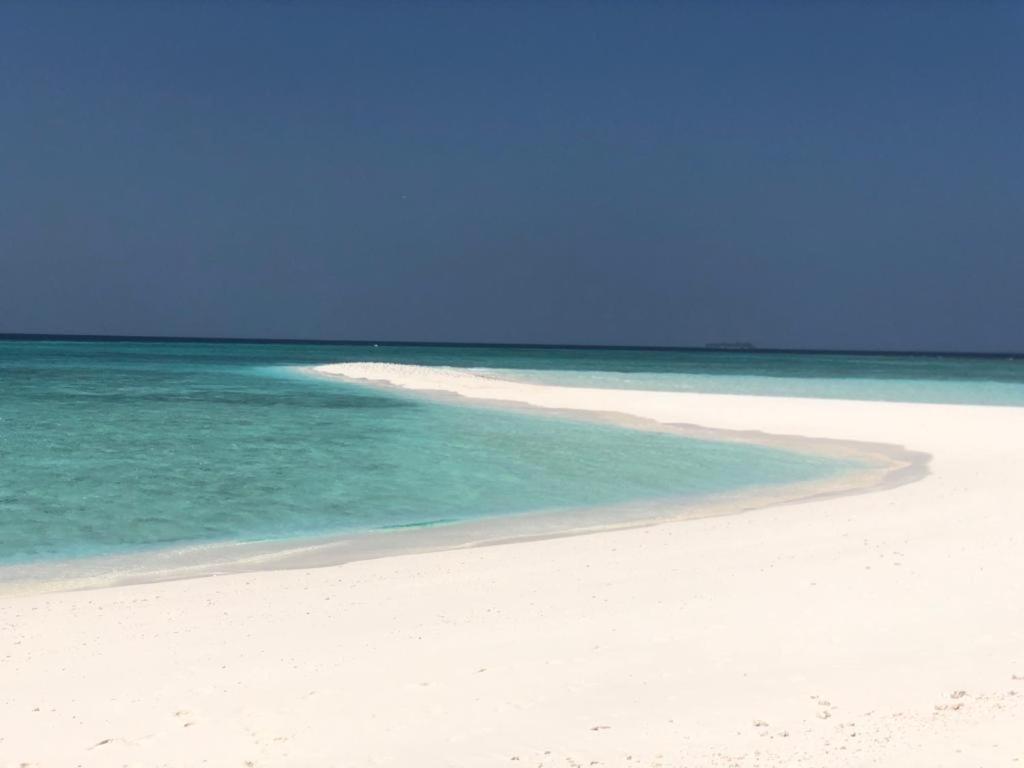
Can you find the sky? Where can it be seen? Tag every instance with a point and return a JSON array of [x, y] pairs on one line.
[[807, 175]]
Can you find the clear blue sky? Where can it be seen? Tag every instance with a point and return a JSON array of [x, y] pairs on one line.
[[846, 175]]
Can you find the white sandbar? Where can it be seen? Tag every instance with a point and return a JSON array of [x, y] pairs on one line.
[[875, 629]]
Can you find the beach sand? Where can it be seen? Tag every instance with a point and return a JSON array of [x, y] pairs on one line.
[[885, 628]]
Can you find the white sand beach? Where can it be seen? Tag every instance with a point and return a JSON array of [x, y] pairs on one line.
[[881, 629]]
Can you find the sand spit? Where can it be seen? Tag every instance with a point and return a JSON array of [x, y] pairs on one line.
[[872, 629]]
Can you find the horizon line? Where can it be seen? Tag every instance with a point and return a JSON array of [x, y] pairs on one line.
[[710, 347]]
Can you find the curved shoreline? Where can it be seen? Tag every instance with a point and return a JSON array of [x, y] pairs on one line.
[[894, 464], [872, 629], [885, 466]]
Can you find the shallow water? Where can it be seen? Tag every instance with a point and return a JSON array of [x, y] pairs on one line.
[[861, 383], [109, 447]]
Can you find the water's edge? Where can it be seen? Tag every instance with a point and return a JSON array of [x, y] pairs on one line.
[[882, 466]]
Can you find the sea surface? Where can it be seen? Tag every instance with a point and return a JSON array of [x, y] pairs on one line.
[[109, 447]]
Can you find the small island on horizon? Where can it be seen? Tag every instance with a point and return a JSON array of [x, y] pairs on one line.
[[732, 345]]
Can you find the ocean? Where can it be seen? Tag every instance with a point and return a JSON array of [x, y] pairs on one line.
[[112, 447]]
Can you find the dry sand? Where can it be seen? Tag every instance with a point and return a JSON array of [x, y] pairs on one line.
[[878, 629]]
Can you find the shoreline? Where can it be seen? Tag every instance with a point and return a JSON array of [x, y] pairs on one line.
[[864, 629], [886, 466]]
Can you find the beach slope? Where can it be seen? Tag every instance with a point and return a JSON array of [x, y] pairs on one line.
[[885, 628]]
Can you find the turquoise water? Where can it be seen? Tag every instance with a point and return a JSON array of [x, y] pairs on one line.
[[861, 387], [988, 380], [113, 447], [110, 447]]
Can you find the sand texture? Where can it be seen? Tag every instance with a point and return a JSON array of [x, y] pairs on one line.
[[880, 629]]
